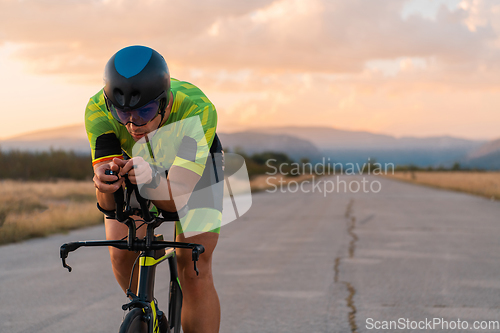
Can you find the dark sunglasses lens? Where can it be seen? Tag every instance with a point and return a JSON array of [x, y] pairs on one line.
[[138, 117], [119, 114], [146, 113]]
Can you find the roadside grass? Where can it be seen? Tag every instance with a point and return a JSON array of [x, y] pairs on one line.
[[486, 184], [38, 209], [30, 209]]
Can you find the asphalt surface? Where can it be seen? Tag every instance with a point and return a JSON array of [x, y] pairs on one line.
[[295, 262]]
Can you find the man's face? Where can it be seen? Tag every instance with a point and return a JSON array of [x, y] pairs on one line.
[[138, 132]]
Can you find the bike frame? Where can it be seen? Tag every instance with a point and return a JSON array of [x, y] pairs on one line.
[[147, 272], [148, 260]]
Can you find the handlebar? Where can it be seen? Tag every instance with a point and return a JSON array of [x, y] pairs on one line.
[[139, 245], [123, 213]]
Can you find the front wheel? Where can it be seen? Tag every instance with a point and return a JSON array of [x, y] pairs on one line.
[[134, 322]]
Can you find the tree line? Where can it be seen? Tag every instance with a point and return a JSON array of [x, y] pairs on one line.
[[47, 165], [60, 164]]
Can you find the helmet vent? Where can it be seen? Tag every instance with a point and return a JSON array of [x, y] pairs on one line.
[[135, 98], [119, 97]]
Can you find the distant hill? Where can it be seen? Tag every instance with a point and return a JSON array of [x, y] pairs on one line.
[[486, 156], [66, 138], [485, 150], [326, 138], [76, 131], [255, 142], [343, 146]]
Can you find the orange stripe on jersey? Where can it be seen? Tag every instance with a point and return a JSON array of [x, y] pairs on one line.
[[107, 158]]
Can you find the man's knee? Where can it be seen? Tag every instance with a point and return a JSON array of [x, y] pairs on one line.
[[196, 286], [204, 264], [188, 274]]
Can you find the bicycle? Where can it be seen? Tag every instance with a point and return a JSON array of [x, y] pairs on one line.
[[144, 315]]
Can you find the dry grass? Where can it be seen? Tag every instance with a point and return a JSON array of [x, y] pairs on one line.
[[486, 184], [35, 209]]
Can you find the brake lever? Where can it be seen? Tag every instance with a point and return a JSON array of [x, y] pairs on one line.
[[66, 266], [64, 254], [196, 251]]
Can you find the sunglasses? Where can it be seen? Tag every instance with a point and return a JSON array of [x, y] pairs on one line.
[[140, 116]]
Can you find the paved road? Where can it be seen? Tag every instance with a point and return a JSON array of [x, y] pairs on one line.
[[296, 262]]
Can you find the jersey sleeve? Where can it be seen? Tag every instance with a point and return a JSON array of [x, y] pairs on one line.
[[101, 131], [198, 136]]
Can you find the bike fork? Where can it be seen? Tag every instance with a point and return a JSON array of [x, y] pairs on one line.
[[175, 303]]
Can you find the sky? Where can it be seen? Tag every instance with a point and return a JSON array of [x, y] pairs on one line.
[[398, 67]]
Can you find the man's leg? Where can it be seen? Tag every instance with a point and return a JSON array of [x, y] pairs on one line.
[[200, 306], [122, 260]]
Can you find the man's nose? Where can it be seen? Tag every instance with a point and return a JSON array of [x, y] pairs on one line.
[[131, 126]]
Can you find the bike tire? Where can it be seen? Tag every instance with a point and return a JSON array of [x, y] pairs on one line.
[[134, 322]]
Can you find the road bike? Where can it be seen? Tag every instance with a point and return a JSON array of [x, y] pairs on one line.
[[144, 315]]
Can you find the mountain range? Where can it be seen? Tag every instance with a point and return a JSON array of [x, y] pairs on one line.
[[251, 142], [326, 138], [314, 143], [72, 137], [344, 146], [486, 156]]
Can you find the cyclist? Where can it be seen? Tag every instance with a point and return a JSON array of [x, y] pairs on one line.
[[137, 106]]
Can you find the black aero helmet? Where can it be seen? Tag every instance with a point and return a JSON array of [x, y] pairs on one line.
[[134, 77]]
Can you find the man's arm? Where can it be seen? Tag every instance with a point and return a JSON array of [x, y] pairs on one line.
[[174, 190], [104, 192], [181, 183]]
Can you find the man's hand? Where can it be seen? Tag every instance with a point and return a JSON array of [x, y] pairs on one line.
[[101, 179], [139, 171]]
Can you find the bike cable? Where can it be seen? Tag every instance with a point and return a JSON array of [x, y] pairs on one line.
[[143, 223], [132, 274]]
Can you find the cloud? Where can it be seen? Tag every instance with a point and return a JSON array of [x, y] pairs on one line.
[[283, 35], [75, 37], [334, 37]]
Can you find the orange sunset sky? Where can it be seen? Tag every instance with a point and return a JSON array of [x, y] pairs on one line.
[[404, 68]]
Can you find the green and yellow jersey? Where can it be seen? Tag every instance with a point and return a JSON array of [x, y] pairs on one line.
[[108, 137]]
